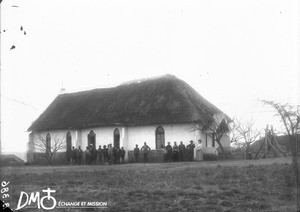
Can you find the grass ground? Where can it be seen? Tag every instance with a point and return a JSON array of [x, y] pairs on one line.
[[256, 185]]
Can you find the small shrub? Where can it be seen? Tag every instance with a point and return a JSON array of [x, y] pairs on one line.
[[238, 153], [227, 154]]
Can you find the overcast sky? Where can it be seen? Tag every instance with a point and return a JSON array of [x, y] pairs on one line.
[[232, 52]]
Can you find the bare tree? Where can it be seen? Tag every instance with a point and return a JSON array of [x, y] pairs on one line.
[[49, 146], [248, 134], [235, 136], [290, 117], [217, 127]]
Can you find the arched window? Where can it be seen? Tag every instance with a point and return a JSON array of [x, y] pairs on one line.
[[117, 138], [159, 137], [69, 146], [48, 142], [92, 139]]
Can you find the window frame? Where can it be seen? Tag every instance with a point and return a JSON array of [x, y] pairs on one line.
[[157, 132]]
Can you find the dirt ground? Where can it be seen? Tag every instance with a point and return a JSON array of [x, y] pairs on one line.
[[253, 185]]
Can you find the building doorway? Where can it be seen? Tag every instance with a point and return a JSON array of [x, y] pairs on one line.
[[160, 137], [117, 138], [92, 139]]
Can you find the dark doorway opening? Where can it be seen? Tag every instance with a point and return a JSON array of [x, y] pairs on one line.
[[213, 140], [92, 139], [160, 137], [117, 138]]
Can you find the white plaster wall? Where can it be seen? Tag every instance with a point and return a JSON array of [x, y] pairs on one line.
[[207, 141], [203, 137], [130, 136], [225, 140], [175, 132], [104, 136], [61, 134]]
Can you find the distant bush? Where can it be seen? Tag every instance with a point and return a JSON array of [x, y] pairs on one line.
[[210, 157], [238, 153], [229, 153], [10, 160]]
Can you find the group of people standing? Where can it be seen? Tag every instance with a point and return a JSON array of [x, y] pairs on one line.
[[115, 155], [106, 155], [145, 150], [173, 153], [181, 152]]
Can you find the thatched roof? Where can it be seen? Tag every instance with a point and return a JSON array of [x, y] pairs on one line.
[[160, 100]]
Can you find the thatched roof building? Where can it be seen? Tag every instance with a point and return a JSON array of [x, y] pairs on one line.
[[159, 100], [156, 110]]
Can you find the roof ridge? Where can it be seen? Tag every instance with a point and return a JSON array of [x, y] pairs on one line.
[[136, 81], [145, 79]]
